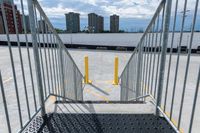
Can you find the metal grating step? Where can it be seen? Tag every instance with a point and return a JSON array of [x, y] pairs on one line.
[[100, 123]]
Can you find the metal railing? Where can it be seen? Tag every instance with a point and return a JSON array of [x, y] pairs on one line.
[[159, 69], [30, 75]]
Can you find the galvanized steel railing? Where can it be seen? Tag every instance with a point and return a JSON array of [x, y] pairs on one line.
[[159, 69], [33, 73]]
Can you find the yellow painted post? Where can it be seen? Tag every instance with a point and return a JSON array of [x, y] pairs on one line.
[[86, 79], [116, 79]]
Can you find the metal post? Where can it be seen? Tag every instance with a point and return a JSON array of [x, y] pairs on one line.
[[75, 82], [127, 83], [86, 70], [86, 79], [116, 78], [194, 102], [139, 65], [163, 54], [62, 80], [5, 103], [36, 56], [12, 64]]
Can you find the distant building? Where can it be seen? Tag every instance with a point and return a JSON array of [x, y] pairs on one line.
[[92, 22], [100, 24], [114, 23], [95, 23], [2, 31], [27, 23], [8, 1], [43, 28], [72, 22], [10, 18]]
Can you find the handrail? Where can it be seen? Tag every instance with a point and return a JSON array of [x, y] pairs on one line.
[[161, 5], [54, 31], [153, 70], [52, 69]]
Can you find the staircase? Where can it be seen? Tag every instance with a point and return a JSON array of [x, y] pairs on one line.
[[99, 117], [48, 88]]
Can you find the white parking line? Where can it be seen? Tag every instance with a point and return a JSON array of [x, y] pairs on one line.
[[7, 80]]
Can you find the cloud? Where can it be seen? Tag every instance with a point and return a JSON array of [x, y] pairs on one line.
[[126, 9], [58, 11]]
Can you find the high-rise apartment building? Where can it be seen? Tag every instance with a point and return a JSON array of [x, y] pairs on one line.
[[92, 22], [43, 28], [72, 22], [114, 23], [27, 23], [7, 4], [100, 24], [2, 31], [95, 23], [8, 1]]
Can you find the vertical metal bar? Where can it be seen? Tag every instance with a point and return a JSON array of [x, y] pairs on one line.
[[64, 71], [54, 65], [150, 56], [58, 62], [142, 67], [57, 70], [194, 103], [75, 80], [21, 61], [170, 56], [45, 53], [178, 57], [61, 69], [148, 50], [36, 56], [51, 60], [139, 70], [150, 68], [121, 88], [28, 52], [40, 51], [154, 58], [144, 70], [5, 104], [49, 56], [57, 65], [127, 83], [12, 63], [145, 66], [134, 61], [141, 82], [159, 50], [188, 63], [163, 54]]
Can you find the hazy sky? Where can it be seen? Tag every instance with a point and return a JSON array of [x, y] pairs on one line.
[[134, 14]]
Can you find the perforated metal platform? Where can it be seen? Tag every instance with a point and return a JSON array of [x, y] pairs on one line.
[[100, 123]]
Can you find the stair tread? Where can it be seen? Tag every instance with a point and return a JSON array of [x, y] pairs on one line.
[[100, 123]]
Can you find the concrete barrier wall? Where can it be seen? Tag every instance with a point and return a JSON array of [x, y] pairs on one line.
[[107, 39]]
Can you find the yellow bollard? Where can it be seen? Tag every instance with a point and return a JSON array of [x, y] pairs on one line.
[[116, 79], [86, 79]]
